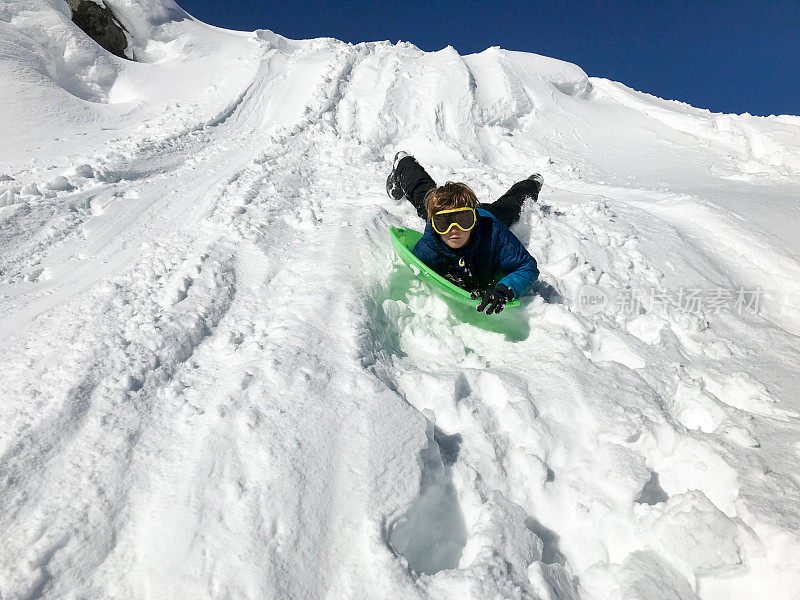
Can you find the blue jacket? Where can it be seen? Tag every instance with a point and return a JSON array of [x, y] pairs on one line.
[[491, 253]]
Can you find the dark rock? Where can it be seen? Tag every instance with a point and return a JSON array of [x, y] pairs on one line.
[[98, 23]]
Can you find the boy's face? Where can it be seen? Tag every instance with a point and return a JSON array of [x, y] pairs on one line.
[[455, 238]]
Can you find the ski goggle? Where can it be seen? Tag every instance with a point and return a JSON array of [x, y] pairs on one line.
[[464, 218]]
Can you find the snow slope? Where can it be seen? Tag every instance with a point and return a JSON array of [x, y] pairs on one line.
[[219, 381]]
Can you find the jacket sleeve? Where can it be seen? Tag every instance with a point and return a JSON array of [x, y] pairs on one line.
[[516, 261]]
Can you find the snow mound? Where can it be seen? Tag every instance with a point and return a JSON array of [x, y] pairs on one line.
[[44, 53]]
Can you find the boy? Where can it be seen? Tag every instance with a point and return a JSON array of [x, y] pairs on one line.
[[469, 244]]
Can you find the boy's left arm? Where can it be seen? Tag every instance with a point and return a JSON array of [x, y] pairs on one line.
[[515, 260]]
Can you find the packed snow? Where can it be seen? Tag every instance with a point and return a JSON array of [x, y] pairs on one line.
[[219, 381]]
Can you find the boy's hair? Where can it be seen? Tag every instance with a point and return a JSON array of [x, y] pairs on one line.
[[450, 195]]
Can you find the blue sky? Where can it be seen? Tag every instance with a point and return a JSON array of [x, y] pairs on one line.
[[727, 56]]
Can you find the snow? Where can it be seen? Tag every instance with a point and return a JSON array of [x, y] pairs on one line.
[[220, 381]]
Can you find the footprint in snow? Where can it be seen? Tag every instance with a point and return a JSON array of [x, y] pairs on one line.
[[305, 217]]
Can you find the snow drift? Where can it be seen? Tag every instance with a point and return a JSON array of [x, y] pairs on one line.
[[220, 382]]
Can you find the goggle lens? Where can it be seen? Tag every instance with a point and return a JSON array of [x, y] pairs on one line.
[[463, 218]]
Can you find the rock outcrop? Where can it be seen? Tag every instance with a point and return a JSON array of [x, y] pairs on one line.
[[99, 23]]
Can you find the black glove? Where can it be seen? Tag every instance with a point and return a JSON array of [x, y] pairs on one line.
[[461, 277], [457, 279], [493, 301]]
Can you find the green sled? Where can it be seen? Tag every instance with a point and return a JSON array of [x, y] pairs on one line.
[[404, 241]]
